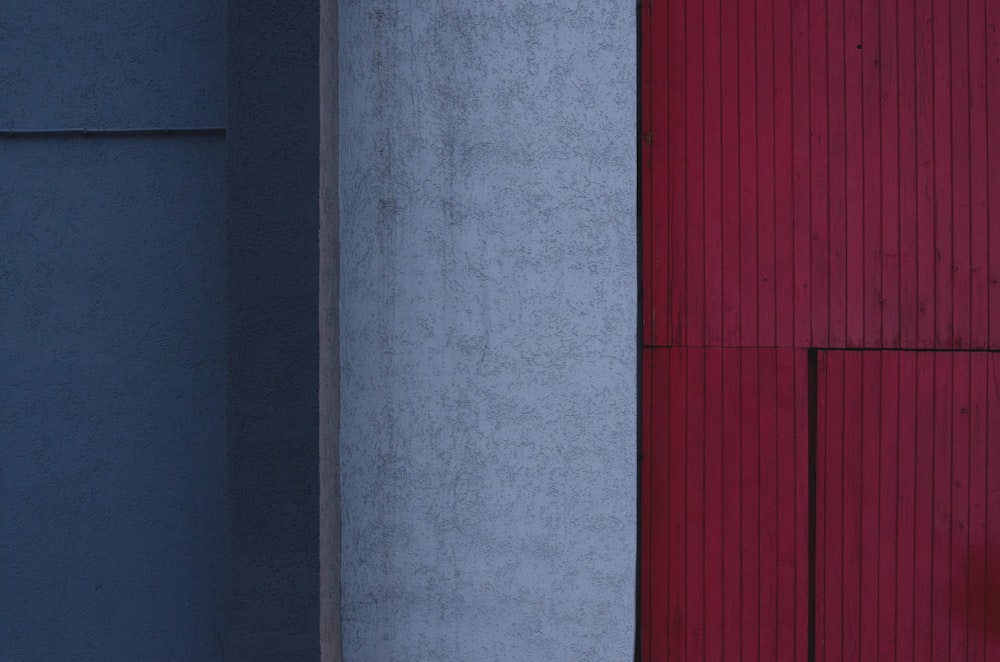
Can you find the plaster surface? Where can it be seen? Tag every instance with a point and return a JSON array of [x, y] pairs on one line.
[[112, 384], [488, 329], [112, 64]]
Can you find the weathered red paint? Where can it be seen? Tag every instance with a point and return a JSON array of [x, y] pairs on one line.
[[819, 177]]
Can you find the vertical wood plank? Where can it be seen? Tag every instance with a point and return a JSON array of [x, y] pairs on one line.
[[868, 470], [887, 65], [715, 451], [825, 534], [803, 482], [784, 205], [750, 506], [960, 214], [854, 220], [677, 126], [694, 168], [820, 172], [837, 575], [694, 532], [924, 509], [959, 525], [978, 441], [765, 171], [888, 561], [658, 461], [872, 56], [853, 440], [978, 192], [992, 138], [800, 58], [730, 190], [926, 259], [838, 200], [786, 476], [943, 222], [941, 514], [677, 494], [767, 404], [992, 556], [732, 461], [714, 183], [906, 505], [748, 209], [909, 293]]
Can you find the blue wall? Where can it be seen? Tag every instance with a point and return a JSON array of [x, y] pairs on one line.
[[158, 378]]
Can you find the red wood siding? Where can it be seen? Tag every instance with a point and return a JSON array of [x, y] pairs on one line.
[[725, 527], [821, 173], [906, 500]]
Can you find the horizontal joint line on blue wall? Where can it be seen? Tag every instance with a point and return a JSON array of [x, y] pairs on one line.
[[166, 131]]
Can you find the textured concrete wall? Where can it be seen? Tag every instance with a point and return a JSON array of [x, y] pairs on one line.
[[113, 532], [488, 329], [272, 297]]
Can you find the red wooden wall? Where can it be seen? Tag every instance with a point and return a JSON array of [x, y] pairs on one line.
[[819, 177]]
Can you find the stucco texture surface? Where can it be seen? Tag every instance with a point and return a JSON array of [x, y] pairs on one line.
[[488, 329], [112, 384], [112, 64]]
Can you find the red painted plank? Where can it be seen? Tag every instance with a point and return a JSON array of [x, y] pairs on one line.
[[749, 507], [715, 452], [694, 534], [853, 219], [730, 193], [871, 57], [926, 261], [676, 490], [978, 443], [960, 335], [959, 517], [923, 508], [731, 503], [906, 505], [992, 139], [886, 66], [834, 568], [906, 134], [889, 438], [767, 406], [714, 183], [837, 202], [746, 38], [854, 408], [693, 327], [658, 460], [978, 192], [803, 484], [654, 166], [801, 175], [677, 236], [824, 609], [868, 469], [784, 208], [786, 512], [941, 511], [765, 171], [820, 103], [944, 257], [650, 520], [992, 557]]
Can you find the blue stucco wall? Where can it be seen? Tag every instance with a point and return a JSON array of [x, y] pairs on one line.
[[113, 334], [272, 298], [488, 329]]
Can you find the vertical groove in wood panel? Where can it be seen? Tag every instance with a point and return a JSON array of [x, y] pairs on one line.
[[785, 512], [868, 496], [959, 524], [960, 332], [992, 139], [907, 173], [820, 180], [693, 327], [713, 37], [764, 93], [906, 505], [853, 220], [873, 62], [821, 613], [648, 520], [799, 56], [854, 416], [677, 493], [926, 262], [767, 524], [837, 194], [889, 440], [886, 66], [941, 485], [783, 184], [979, 222], [943, 262], [749, 506], [991, 569], [731, 504], [923, 526], [694, 532], [660, 516], [730, 117], [715, 412], [677, 246], [748, 209], [976, 572], [805, 408]]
